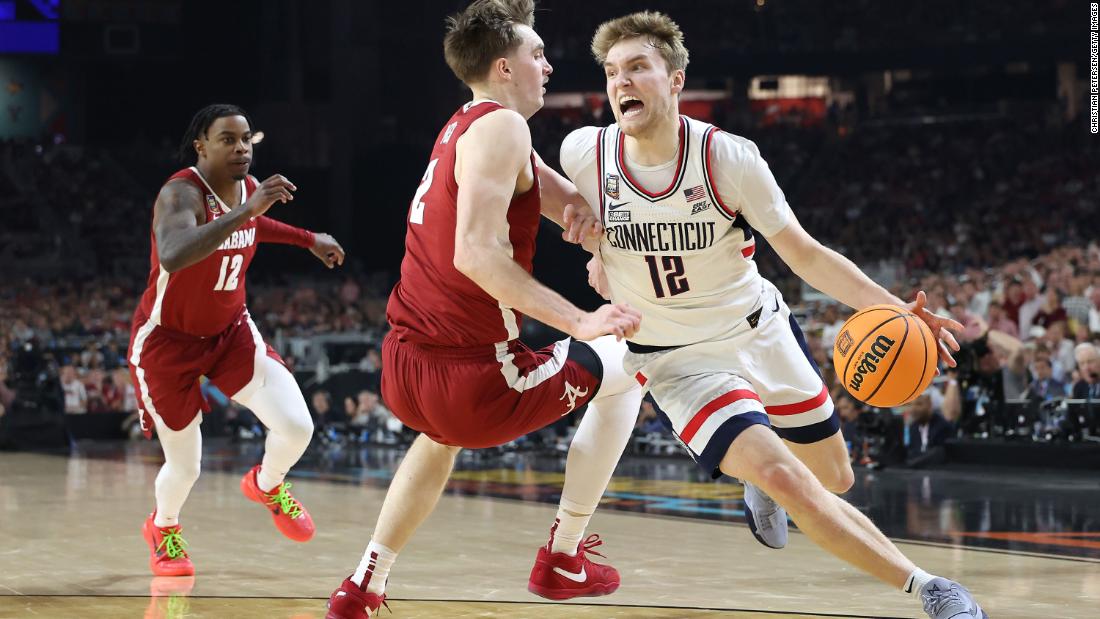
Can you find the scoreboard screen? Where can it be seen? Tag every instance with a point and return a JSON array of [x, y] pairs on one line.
[[29, 26]]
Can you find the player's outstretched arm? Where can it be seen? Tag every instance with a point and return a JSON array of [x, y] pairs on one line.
[[327, 249], [178, 220], [827, 270], [838, 277], [491, 156], [322, 245]]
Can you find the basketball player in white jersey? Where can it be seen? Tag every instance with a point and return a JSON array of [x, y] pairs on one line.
[[718, 350]]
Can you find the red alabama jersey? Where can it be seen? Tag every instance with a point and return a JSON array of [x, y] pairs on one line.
[[204, 298], [433, 303]]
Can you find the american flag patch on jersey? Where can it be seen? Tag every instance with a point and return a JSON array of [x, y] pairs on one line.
[[695, 193]]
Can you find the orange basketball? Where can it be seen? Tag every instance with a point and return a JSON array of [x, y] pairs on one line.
[[885, 356]]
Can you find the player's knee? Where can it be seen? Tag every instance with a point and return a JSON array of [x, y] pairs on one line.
[[839, 479], [186, 472], [192, 472], [786, 482], [423, 441], [300, 428], [615, 379]]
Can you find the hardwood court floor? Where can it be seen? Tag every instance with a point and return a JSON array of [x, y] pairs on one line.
[[70, 546]]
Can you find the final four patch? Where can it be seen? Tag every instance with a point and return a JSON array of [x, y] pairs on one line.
[[611, 187]]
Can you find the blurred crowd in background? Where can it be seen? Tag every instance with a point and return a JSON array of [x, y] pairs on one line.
[[994, 218]]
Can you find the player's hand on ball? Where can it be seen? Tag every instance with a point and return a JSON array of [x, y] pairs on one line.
[[327, 249], [619, 320], [277, 188], [941, 327], [580, 224], [597, 277]]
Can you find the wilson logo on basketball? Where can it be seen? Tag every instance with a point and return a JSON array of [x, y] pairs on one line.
[[871, 360], [886, 356], [844, 343]]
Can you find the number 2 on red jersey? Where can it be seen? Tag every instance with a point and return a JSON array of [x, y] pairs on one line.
[[416, 210]]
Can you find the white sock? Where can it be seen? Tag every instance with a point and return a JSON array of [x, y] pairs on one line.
[[568, 532], [916, 582], [165, 521], [374, 569], [267, 482]]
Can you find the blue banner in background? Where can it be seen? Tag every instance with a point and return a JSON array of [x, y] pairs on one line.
[[21, 37], [29, 27]]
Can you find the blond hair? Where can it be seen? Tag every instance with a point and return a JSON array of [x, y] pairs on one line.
[[663, 33], [483, 32]]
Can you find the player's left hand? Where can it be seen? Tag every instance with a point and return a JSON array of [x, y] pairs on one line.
[[580, 224], [597, 278], [327, 249], [941, 328]]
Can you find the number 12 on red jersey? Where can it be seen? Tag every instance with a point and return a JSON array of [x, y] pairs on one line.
[[230, 272]]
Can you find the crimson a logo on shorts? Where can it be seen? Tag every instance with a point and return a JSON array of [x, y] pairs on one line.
[[572, 393]]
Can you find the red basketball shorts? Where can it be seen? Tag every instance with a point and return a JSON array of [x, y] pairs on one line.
[[478, 398], [165, 367]]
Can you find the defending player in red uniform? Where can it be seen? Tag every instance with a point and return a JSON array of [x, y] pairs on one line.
[[192, 322], [454, 368]]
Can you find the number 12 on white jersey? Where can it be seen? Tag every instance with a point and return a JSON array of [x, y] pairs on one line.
[[416, 211]]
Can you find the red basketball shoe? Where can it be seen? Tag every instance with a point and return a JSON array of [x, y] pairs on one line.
[[558, 576], [352, 602], [290, 517], [167, 550]]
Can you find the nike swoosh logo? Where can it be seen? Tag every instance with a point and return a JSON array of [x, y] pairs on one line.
[[612, 206], [776, 304], [578, 577]]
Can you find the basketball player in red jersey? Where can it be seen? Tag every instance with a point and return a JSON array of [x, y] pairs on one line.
[[454, 368], [192, 322]]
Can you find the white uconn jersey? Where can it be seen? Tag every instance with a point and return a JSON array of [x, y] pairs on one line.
[[682, 255]]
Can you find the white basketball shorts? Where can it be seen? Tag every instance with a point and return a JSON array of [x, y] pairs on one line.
[[708, 393]]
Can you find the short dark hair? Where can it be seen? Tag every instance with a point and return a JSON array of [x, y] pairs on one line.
[[483, 32], [201, 122]]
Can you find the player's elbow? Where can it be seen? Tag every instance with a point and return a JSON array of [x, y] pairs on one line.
[[468, 261], [169, 261], [801, 255], [477, 257]]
